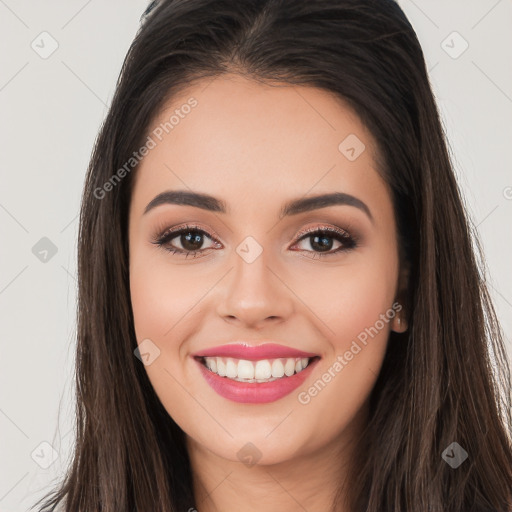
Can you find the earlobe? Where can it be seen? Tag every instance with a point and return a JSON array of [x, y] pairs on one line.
[[399, 323]]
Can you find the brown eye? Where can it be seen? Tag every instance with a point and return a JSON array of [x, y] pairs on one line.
[[321, 241], [191, 239]]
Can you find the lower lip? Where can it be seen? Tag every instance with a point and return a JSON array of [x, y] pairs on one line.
[[255, 393]]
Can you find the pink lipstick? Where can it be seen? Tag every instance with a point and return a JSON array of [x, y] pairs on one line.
[[252, 352], [254, 374]]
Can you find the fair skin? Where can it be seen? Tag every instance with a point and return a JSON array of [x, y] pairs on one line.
[[256, 147]]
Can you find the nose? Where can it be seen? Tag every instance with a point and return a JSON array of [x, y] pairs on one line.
[[254, 294]]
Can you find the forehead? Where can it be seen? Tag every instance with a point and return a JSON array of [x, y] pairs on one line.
[[238, 138]]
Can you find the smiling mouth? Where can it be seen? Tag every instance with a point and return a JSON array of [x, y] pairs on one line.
[[257, 371]]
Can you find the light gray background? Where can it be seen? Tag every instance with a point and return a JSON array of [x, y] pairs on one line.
[[51, 110]]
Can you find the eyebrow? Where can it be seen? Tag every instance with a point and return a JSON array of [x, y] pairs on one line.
[[293, 207]]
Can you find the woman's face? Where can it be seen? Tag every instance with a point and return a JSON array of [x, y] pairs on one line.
[[256, 277]]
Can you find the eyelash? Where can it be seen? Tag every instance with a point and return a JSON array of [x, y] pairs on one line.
[[350, 242]]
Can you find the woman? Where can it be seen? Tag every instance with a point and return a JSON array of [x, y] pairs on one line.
[[279, 303]]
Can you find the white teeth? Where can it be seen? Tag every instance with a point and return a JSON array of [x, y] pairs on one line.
[[231, 369], [301, 364], [277, 368], [289, 367], [211, 363], [221, 366], [264, 370], [245, 369]]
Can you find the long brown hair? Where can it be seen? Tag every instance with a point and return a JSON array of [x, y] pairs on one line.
[[446, 379]]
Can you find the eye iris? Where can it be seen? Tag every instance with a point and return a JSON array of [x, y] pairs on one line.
[[189, 239], [322, 242]]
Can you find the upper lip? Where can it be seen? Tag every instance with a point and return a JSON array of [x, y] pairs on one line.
[[245, 350]]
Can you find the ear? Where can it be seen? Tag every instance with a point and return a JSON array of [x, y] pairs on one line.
[[399, 322]]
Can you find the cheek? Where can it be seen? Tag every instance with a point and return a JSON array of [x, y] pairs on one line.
[[359, 306], [349, 300], [358, 325], [161, 295], [162, 299], [357, 334], [355, 304]]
